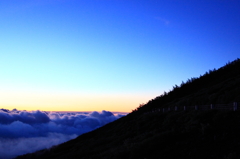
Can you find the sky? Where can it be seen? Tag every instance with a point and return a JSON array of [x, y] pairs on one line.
[[93, 55]]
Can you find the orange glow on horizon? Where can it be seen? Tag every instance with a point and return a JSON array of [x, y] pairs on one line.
[[53, 101]]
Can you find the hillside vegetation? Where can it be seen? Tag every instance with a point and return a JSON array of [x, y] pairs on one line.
[[212, 134], [220, 86]]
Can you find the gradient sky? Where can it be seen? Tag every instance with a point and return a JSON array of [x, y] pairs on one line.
[[85, 55]]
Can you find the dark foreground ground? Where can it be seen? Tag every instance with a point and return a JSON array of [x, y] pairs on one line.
[[144, 134], [187, 135]]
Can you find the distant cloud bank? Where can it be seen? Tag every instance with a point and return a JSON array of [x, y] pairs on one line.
[[25, 132]]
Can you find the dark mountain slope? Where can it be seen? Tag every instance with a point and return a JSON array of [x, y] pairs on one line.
[[220, 86], [181, 134], [194, 134]]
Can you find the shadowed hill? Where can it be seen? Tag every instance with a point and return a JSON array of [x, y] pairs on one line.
[[181, 134], [220, 86]]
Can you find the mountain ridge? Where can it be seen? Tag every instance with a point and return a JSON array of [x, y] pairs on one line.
[[145, 133]]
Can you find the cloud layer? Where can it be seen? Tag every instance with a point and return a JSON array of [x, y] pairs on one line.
[[24, 132]]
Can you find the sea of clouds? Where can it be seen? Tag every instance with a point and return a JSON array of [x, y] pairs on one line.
[[25, 132]]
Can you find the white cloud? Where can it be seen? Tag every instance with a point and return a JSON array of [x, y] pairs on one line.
[[21, 130], [163, 20]]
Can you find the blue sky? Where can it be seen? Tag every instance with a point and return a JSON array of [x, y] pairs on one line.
[[109, 54]]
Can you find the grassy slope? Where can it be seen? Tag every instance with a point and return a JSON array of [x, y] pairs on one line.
[[193, 134], [220, 86]]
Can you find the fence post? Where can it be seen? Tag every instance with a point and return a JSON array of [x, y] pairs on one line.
[[234, 106], [211, 106], [196, 107], [176, 108]]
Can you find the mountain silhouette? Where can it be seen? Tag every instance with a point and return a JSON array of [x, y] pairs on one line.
[[198, 119]]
